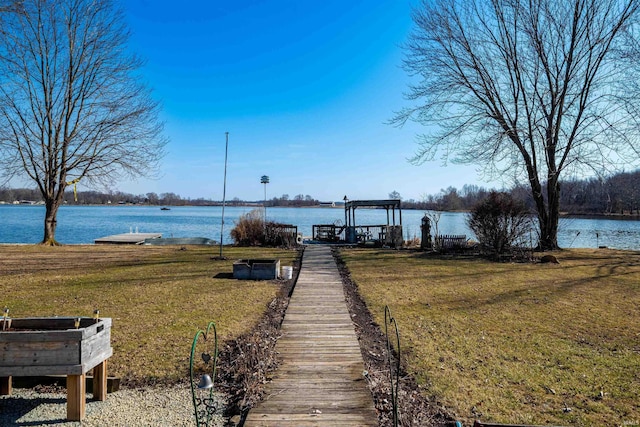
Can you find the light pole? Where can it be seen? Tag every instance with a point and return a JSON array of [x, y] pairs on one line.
[[224, 192], [346, 222], [264, 179]]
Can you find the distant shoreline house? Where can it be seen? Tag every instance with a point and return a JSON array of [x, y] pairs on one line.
[[327, 204]]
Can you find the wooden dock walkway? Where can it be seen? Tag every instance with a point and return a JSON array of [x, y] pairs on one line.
[[320, 379], [127, 238]]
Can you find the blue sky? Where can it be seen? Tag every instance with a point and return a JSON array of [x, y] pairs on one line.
[[305, 90]]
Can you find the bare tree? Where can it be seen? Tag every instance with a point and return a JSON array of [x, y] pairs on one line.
[[434, 218], [10, 6], [527, 89], [500, 223], [395, 195], [72, 104]]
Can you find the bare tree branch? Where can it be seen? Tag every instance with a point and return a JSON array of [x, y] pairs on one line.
[[72, 104], [535, 88]]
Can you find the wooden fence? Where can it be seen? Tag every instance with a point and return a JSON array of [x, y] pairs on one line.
[[449, 242]]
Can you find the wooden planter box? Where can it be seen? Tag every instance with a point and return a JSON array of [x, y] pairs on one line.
[[256, 269], [53, 346]]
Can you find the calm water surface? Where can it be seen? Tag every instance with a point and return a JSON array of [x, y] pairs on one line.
[[84, 224]]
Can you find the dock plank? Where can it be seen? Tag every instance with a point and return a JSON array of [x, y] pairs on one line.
[[127, 238], [320, 379]]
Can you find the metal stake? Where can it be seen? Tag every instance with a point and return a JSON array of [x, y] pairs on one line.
[[224, 191]]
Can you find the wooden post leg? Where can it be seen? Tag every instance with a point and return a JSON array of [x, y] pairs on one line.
[[76, 398], [100, 381], [5, 386]]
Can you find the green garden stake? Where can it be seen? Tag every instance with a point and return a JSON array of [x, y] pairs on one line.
[[204, 407]]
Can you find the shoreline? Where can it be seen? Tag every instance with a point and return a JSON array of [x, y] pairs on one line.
[[624, 216]]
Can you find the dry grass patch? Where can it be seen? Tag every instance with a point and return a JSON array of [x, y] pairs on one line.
[[157, 297], [516, 343]]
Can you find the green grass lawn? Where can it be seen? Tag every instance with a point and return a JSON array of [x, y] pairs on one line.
[[516, 343], [157, 297]]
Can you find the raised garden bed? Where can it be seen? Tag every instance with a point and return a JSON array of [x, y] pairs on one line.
[[256, 269], [58, 346]]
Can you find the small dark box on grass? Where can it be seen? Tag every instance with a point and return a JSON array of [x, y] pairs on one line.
[[256, 269]]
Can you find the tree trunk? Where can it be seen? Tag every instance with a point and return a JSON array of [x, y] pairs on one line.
[[547, 210], [549, 227], [50, 222], [549, 232]]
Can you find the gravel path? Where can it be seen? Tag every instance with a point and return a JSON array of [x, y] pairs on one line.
[[153, 406]]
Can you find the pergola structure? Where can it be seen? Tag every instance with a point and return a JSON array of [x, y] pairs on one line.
[[390, 234]]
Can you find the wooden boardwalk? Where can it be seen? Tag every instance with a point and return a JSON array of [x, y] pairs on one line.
[[127, 238], [320, 379]]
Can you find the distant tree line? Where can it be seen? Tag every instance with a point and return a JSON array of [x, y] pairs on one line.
[[619, 194], [299, 200], [616, 195], [449, 199], [12, 195]]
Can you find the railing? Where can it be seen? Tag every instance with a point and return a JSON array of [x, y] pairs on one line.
[[326, 232], [370, 232], [281, 234], [449, 242]]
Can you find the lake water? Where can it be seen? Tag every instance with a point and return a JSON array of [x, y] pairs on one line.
[[84, 224]]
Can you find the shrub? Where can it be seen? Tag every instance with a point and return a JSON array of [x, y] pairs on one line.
[[280, 235], [500, 222], [252, 230], [249, 229]]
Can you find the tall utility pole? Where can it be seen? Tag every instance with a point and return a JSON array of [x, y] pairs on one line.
[[224, 191], [264, 179]]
